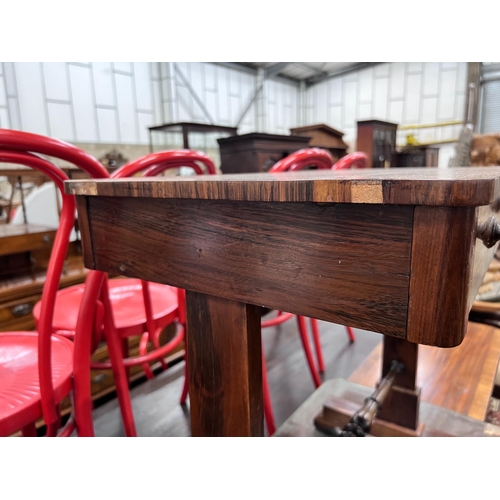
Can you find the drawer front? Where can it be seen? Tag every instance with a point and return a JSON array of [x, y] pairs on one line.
[[17, 315]]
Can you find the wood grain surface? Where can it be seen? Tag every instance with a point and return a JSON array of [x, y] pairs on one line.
[[347, 264], [405, 186], [441, 269], [224, 364]]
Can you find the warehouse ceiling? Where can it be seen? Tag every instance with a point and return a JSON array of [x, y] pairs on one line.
[[308, 72]]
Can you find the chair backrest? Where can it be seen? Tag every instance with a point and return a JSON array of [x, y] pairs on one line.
[[320, 158], [23, 148], [156, 163], [357, 159]]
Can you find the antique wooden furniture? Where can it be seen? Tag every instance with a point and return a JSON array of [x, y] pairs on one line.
[[378, 140], [257, 152], [323, 136], [417, 156], [398, 251]]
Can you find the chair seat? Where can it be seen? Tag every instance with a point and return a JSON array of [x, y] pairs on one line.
[[19, 387], [126, 301]]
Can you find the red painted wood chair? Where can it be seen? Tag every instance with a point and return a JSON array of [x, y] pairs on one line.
[[133, 307], [36, 368]]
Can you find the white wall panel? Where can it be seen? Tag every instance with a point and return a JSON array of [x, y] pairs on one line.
[[157, 103], [224, 117], [103, 84], [184, 104], [56, 81], [123, 66], [60, 121], [334, 91], [154, 68], [3, 92], [83, 104], [446, 97], [210, 80], [365, 82], [412, 100], [414, 67], [10, 78], [429, 110], [126, 108], [350, 89], [431, 79], [395, 112], [364, 111], [336, 117], [145, 121], [4, 118], [15, 119], [379, 103], [142, 81], [211, 103], [31, 98], [108, 125], [321, 104], [381, 70], [396, 81]]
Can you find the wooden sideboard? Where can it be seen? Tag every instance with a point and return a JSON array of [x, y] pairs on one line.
[[257, 152]]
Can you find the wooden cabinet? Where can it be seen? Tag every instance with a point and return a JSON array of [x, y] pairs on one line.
[[323, 136], [257, 152], [378, 140], [417, 157]]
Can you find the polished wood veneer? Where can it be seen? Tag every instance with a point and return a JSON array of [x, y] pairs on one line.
[[400, 252]]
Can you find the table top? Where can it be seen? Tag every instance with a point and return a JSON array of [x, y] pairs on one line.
[[461, 186]]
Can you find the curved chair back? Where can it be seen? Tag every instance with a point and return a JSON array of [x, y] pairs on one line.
[[156, 163], [320, 158], [23, 148], [358, 160]]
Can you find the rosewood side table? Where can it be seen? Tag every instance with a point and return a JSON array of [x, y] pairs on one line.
[[399, 251]]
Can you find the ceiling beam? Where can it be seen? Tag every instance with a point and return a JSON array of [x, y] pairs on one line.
[[275, 69], [326, 76], [318, 73]]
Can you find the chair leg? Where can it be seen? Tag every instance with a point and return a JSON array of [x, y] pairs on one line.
[[301, 322], [121, 382], [143, 349], [125, 354], [266, 395], [317, 345], [350, 333], [185, 387], [156, 344]]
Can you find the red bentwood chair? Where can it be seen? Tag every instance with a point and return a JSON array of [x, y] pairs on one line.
[[132, 306], [36, 368]]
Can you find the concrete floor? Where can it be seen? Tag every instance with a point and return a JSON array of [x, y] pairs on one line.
[[156, 402]]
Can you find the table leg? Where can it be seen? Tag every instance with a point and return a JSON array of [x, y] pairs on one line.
[[225, 366], [402, 404]]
